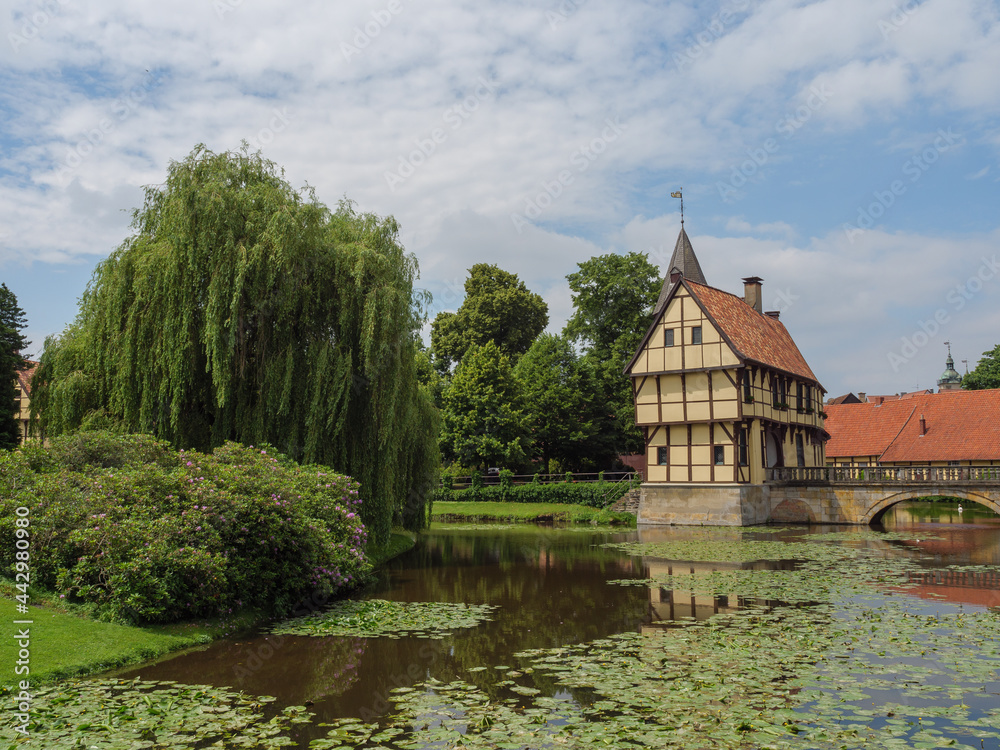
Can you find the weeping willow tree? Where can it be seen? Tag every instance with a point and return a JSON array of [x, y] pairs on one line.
[[240, 309]]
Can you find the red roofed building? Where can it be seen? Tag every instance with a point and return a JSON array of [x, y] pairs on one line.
[[950, 428], [22, 401], [721, 390]]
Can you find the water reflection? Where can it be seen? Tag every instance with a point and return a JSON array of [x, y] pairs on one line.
[[551, 587]]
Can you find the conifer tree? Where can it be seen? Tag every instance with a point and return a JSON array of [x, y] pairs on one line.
[[12, 343]]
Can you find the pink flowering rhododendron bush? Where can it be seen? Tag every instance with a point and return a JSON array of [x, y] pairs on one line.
[[149, 534]]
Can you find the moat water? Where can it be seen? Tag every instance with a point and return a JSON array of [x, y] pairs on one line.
[[553, 589]]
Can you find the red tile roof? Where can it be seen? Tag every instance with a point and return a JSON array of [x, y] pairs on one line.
[[756, 337], [961, 426], [898, 396], [24, 376]]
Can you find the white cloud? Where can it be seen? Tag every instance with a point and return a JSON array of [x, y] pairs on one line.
[[692, 93]]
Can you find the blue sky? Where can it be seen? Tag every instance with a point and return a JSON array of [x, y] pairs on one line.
[[847, 151]]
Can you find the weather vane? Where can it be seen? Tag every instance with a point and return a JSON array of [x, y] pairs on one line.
[[679, 194]]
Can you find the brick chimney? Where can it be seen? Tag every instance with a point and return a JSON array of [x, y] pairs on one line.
[[752, 294], [862, 397]]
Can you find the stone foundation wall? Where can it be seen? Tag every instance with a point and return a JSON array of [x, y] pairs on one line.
[[704, 505], [750, 505]]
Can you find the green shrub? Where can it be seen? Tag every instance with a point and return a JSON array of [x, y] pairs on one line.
[[592, 494], [148, 534], [477, 480]]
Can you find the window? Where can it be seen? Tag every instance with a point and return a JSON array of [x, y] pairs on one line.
[[741, 441], [775, 394], [720, 455], [800, 450], [662, 456], [696, 335], [668, 337], [800, 397], [747, 387], [954, 463]]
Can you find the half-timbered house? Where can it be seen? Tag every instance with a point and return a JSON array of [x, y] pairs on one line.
[[721, 390]]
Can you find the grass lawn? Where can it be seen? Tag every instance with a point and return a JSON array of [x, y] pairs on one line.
[[65, 645], [527, 513]]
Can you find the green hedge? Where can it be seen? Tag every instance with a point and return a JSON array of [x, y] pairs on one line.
[[145, 533], [591, 494]]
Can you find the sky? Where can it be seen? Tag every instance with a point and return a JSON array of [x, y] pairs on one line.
[[846, 151]]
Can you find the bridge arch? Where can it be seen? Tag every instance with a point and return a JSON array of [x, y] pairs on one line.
[[878, 509]]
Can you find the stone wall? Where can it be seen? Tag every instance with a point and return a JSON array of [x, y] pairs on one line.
[[750, 505]]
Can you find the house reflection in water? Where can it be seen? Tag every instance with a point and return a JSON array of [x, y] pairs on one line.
[[666, 606]]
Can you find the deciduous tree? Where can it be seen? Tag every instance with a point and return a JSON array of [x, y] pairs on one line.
[[987, 372], [483, 421], [613, 299], [498, 307], [241, 309], [565, 419]]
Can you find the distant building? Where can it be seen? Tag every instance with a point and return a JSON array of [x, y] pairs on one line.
[[22, 401], [950, 379], [950, 428], [721, 390], [847, 398]]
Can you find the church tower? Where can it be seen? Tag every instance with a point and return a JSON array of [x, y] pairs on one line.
[[950, 379]]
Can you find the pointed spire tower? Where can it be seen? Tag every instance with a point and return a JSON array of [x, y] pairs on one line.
[[683, 261]]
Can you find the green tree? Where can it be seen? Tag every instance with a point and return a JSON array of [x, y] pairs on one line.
[[483, 421], [498, 307], [12, 343], [564, 418], [240, 309], [613, 299], [613, 296], [986, 374]]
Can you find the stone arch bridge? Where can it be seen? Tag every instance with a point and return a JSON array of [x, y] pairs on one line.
[[861, 495], [828, 494]]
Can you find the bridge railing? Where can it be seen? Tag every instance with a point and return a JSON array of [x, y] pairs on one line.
[[881, 474]]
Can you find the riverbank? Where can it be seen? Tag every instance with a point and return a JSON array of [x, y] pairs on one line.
[[528, 513], [66, 642]]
